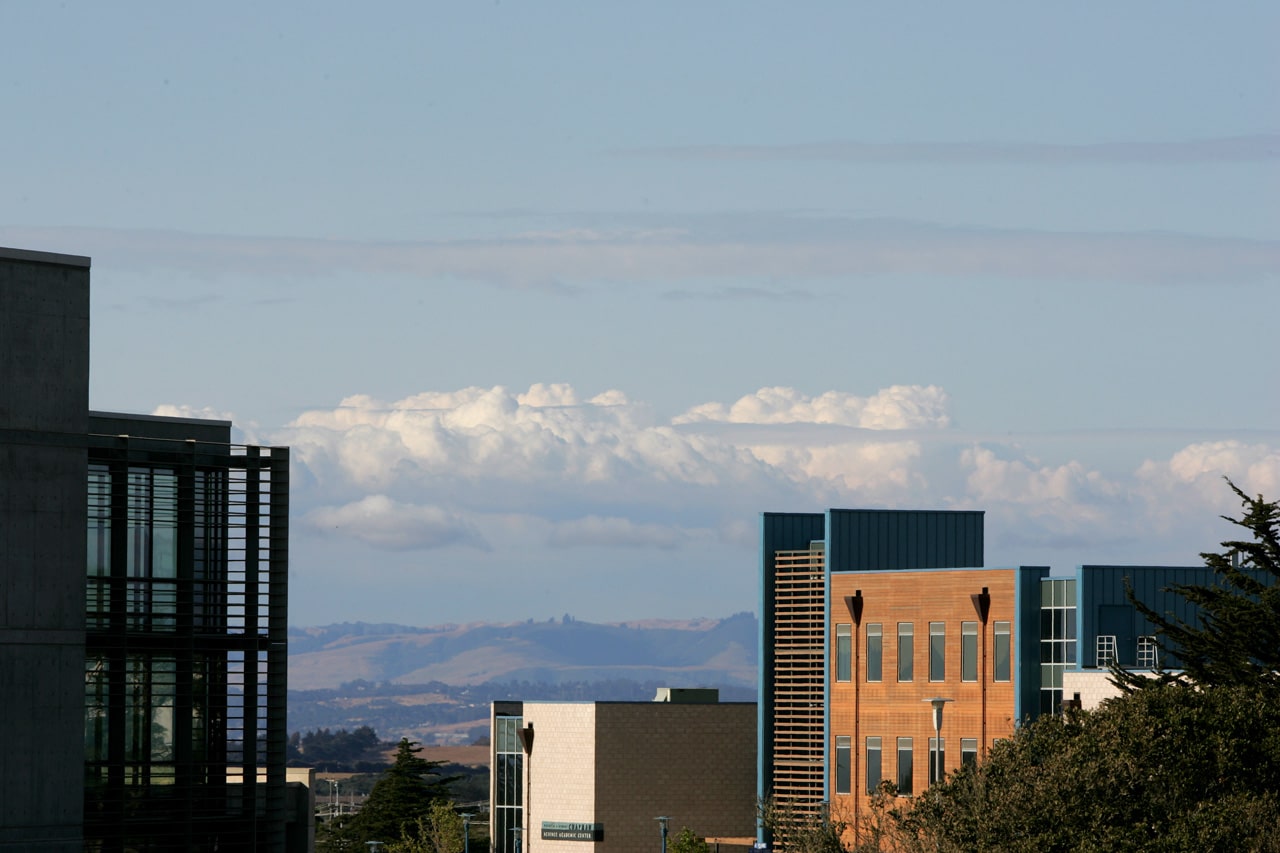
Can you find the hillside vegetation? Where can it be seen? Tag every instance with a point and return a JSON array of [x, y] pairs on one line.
[[435, 684]]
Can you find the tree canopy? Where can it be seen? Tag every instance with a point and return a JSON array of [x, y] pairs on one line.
[[1164, 767], [404, 794], [1237, 640]]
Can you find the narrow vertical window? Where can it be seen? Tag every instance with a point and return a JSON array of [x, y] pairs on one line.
[[937, 758], [843, 765], [844, 654], [875, 651], [968, 751], [906, 650], [873, 764], [968, 651], [904, 767], [937, 651], [1000, 658]]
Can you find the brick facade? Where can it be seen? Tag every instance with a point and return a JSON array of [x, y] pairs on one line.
[[890, 709]]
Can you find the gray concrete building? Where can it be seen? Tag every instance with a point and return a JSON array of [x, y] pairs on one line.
[[44, 416], [143, 605]]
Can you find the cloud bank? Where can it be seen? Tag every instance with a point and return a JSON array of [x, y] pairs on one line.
[[550, 467]]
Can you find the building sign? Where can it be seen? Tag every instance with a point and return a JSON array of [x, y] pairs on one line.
[[559, 830]]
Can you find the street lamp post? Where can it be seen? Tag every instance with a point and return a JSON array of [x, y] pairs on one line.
[[662, 823], [937, 702], [466, 831], [518, 832]]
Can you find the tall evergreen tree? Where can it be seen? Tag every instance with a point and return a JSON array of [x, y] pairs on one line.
[[1237, 640], [405, 793]]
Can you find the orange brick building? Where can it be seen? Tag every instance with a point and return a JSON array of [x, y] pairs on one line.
[[865, 616]]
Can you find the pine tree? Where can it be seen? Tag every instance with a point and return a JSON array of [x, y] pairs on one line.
[[405, 793], [1237, 640]]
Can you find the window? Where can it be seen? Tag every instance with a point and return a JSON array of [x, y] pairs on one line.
[[1147, 658], [968, 651], [904, 767], [508, 804], [843, 652], [843, 764], [1000, 660], [968, 751], [937, 758], [937, 651], [906, 648], [873, 764], [875, 651]]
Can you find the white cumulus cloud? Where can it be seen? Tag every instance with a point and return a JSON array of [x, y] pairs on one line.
[[896, 407]]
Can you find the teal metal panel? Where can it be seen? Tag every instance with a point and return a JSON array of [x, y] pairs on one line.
[[880, 539], [1026, 639], [1104, 608]]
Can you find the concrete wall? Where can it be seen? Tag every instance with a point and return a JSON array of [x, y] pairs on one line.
[[622, 764], [44, 401], [559, 775]]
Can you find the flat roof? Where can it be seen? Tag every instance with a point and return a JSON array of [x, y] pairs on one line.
[[160, 419], [44, 257]]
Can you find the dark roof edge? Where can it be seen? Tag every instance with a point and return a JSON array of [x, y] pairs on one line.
[[45, 257]]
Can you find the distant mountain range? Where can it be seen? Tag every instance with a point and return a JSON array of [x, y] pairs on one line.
[[353, 674]]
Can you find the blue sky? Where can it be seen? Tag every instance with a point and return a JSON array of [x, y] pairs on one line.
[[551, 300]]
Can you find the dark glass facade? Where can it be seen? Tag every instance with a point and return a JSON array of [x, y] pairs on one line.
[[185, 664], [506, 812]]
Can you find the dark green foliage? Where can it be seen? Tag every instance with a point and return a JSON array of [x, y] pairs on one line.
[[405, 793], [1238, 639], [341, 751], [1164, 767], [687, 841]]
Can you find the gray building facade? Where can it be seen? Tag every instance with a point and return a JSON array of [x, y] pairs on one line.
[[143, 604], [44, 392]]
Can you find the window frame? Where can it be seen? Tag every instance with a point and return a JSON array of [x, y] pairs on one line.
[[906, 783], [1001, 652], [844, 652], [906, 643], [844, 764], [968, 752], [968, 651], [875, 652], [874, 748], [937, 752], [938, 651]]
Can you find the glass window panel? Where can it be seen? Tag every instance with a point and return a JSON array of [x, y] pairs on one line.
[[906, 650], [937, 758], [1000, 659], [873, 764], [96, 709], [968, 751], [843, 764], [968, 651], [905, 787], [937, 651], [1046, 593], [875, 652], [844, 653]]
